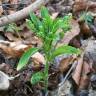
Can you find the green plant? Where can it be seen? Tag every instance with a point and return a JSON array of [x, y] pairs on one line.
[[12, 28], [87, 17], [50, 31]]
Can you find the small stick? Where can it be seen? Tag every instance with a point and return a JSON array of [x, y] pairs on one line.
[[72, 67], [22, 13]]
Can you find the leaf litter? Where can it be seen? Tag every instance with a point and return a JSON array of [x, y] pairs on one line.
[[80, 81]]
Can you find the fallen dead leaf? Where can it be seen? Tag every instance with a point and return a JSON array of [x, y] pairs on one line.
[[86, 68], [26, 33], [10, 36], [77, 72], [85, 30], [38, 58], [54, 15], [14, 49], [82, 5], [85, 78], [84, 85], [75, 42], [79, 5], [65, 64]]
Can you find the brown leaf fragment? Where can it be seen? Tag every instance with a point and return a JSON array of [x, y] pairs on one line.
[[26, 33], [14, 49], [85, 30], [38, 58], [77, 72], [85, 78], [81, 5], [54, 15], [10, 36], [75, 42], [86, 68], [84, 84], [65, 64]]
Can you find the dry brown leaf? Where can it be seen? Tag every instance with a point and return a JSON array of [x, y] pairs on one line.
[[38, 58], [86, 68], [65, 64], [77, 72], [85, 30], [34, 41], [75, 30], [75, 42], [54, 15], [10, 36], [84, 79], [26, 33], [81, 5], [84, 85], [84, 82], [14, 49], [38, 61]]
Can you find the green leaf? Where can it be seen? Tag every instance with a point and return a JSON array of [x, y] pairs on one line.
[[37, 77], [35, 20], [89, 18], [25, 57], [66, 22], [65, 49], [56, 25], [30, 25], [46, 19], [44, 12]]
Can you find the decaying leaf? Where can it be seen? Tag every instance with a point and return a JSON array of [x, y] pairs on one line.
[[81, 72], [86, 68], [84, 85], [13, 49], [79, 5], [65, 64], [84, 78], [83, 5], [77, 73], [38, 58], [85, 30], [75, 42], [10, 36], [54, 15]]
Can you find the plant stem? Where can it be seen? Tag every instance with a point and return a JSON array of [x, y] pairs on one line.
[[46, 69], [46, 75]]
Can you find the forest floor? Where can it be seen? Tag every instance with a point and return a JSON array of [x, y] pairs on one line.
[[64, 80]]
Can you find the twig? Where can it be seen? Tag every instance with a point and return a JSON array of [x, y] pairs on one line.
[[22, 13], [67, 75], [13, 4], [72, 67]]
